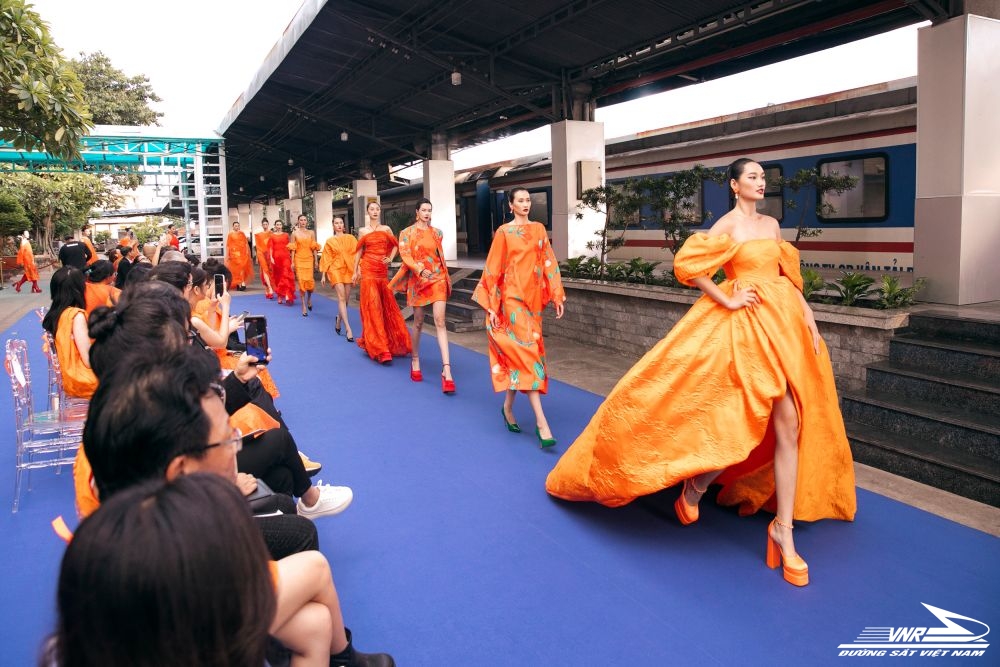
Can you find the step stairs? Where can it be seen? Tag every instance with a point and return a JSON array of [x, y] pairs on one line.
[[462, 313], [931, 412]]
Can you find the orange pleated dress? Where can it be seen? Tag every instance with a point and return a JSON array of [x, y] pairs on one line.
[[701, 399], [263, 241], [26, 260], [238, 258], [305, 248], [520, 278], [420, 250], [383, 328], [337, 260], [282, 278], [79, 381]]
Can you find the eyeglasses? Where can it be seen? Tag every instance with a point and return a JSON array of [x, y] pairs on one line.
[[216, 388], [236, 440]]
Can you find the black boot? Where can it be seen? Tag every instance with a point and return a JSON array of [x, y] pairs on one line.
[[351, 658]]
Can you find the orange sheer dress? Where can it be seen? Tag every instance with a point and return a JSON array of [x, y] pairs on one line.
[[263, 241], [99, 294], [238, 258], [383, 329], [420, 250], [337, 260], [26, 260], [701, 398], [305, 248], [282, 278], [520, 278], [78, 380]]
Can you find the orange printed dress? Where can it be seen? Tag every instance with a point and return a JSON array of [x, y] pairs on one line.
[[420, 250], [79, 381], [282, 278], [383, 329], [263, 241], [701, 398], [238, 258], [337, 260], [305, 248], [26, 260], [521, 277]]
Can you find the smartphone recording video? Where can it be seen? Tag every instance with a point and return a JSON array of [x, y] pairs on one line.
[[220, 284], [255, 328]]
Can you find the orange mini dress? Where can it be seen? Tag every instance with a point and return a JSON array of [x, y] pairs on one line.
[[420, 250]]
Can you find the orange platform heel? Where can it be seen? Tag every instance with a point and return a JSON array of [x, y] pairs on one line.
[[687, 514], [795, 570]]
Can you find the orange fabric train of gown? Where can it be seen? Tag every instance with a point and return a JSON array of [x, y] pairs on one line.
[[78, 380], [520, 278], [282, 278], [337, 260], [26, 259], [99, 294], [305, 260], [420, 250], [383, 328], [701, 398], [238, 258], [263, 241]]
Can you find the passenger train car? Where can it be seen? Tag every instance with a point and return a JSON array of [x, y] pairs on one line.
[[867, 132]]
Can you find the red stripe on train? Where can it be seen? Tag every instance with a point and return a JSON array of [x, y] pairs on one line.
[[825, 246]]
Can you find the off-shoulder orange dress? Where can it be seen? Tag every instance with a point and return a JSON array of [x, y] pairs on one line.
[[420, 250], [701, 399], [304, 246], [337, 260], [26, 260], [282, 278], [263, 241], [520, 278], [238, 258], [383, 329]]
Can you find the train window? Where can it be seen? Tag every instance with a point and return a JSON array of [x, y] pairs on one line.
[[773, 203], [868, 200], [540, 208]]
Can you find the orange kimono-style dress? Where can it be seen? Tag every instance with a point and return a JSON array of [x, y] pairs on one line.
[[383, 329], [263, 241], [337, 260], [26, 260], [520, 278], [238, 258], [420, 250], [79, 381], [99, 294], [305, 248], [701, 398], [282, 278]]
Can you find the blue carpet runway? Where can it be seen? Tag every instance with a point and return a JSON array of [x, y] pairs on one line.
[[453, 554]]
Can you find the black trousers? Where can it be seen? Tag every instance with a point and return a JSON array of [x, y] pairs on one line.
[[273, 457], [288, 533]]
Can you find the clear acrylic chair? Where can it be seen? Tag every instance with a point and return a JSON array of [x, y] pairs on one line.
[[70, 409], [42, 438]]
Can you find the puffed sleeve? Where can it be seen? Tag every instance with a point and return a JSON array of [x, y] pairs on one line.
[[702, 255]]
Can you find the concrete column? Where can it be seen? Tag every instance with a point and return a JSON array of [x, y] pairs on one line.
[[439, 187], [243, 213], [272, 212], [957, 221], [364, 191], [323, 202], [257, 214], [574, 141]]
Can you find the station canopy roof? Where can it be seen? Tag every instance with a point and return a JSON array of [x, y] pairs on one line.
[[354, 86]]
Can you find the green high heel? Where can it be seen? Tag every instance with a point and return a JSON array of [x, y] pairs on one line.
[[511, 426], [544, 442]]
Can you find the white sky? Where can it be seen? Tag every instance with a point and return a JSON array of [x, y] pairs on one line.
[[200, 55]]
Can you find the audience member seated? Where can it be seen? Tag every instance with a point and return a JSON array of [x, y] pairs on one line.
[[99, 291], [67, 322]]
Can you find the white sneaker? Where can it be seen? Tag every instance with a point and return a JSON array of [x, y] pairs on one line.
[[332, 500]]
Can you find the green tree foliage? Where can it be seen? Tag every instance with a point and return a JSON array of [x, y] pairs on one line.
[[42, 106], [147, 231], [115, 98], [13, 218], [620, 204], [809, 185], [671, 198]]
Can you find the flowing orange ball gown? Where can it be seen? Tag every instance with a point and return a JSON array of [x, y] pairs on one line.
[[238, 258], [305, 248], [337, 260], [420, 250], [383, 329], [263, 241], [282, 278], [520, 278], [26, 260], [701, 398]]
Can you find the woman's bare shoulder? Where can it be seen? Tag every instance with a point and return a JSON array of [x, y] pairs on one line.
[[723, 225]]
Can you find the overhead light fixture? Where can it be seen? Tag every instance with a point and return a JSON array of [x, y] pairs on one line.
[[343, 136], [456, 78], [241, 188], [262, 178], [290, 162]]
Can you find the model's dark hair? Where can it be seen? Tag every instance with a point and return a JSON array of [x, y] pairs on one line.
[[177, 274], [421, 202], [737, 168], [165, 575], [146, 412], [68, 291], [100, 271]]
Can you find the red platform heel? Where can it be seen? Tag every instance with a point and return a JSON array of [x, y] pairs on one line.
[[794, 569], [447, 386], [415, 374]]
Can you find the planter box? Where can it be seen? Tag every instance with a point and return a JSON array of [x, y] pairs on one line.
[[629, 319]]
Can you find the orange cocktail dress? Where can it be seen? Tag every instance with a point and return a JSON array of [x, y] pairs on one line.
[[701, 399], [79, 381], [420, 250], [383, 329], [337, 260], [520, 278], [305, 248], [238, 258], [26, 260], [282, 278], [263, 241]]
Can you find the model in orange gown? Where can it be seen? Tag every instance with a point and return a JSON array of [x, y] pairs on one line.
[[520, 278], [282, 278], [336, 266], [238, 258], [262, 239], [303, 247], [740, 392], [425, 279], [26, 260], [384, 331]]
